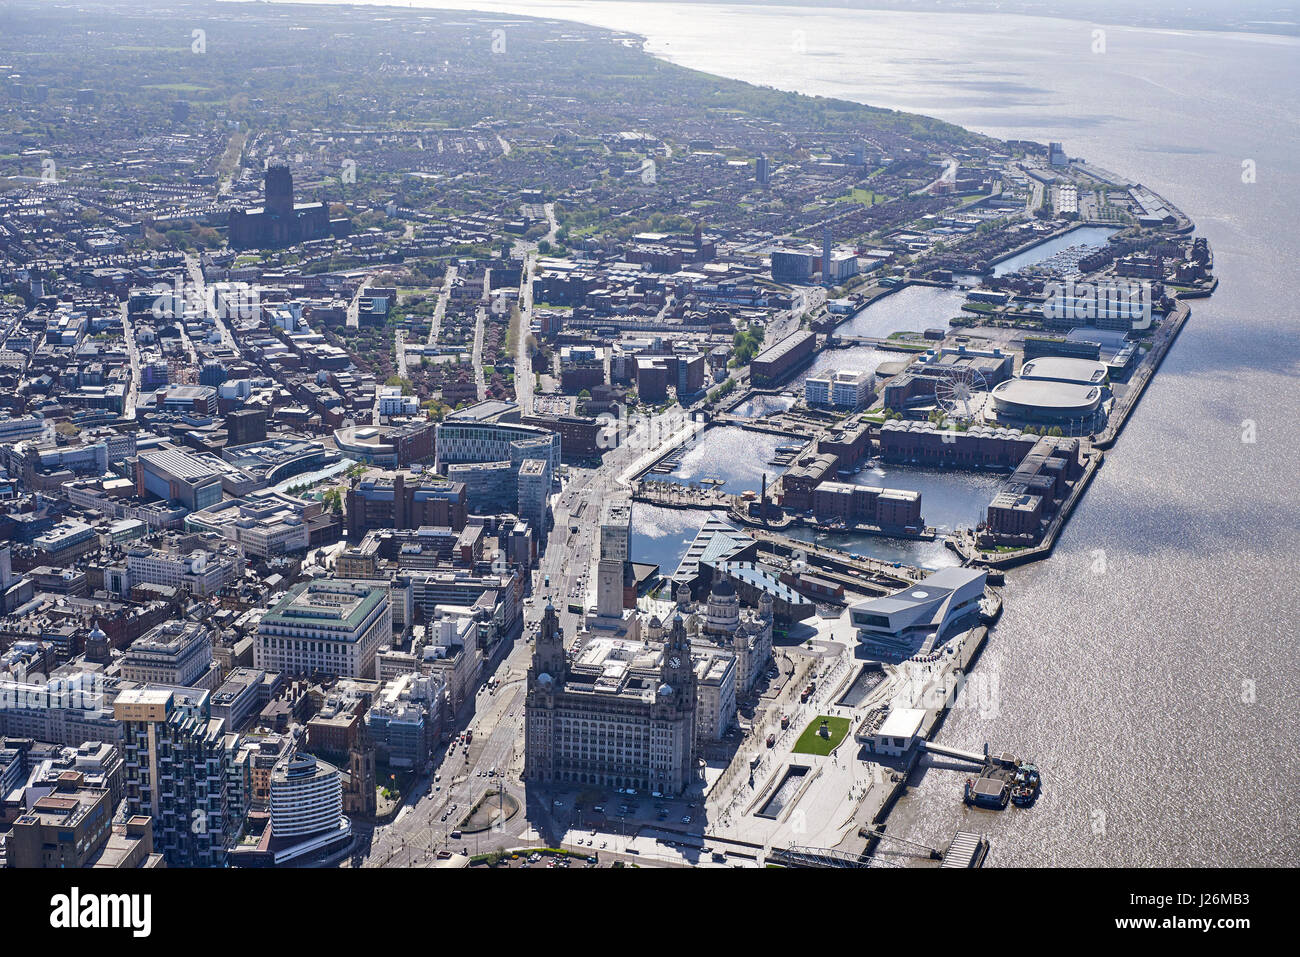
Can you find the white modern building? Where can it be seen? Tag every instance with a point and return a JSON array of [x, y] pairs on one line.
[[534, 490], [1043, 400], [921, 615], [306, 807], [844, 389], [468, 441], [897, 733], [264, 524], [1065, 197], [392, 402], [1087, 372], [615, 549], [19, 427]]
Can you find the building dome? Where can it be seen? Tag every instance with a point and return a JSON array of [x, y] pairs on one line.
[[665, 689], [723, 613]]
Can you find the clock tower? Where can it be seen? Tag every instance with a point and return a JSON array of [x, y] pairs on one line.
[[673, 727], [548, 650], [678, 671], [545, 686]]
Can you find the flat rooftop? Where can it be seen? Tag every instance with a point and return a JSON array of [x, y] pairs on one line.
[[1045, 394], [1065, 369]]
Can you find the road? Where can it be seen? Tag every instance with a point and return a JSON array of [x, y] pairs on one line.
[[424, 827], [435, 323], [195, 270], [354, 307], [806, 299], [527, 250], [564, 575], [476, 358], [440, 307], [133, 353]]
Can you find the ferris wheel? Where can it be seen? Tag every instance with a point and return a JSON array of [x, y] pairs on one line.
[[957, 392]]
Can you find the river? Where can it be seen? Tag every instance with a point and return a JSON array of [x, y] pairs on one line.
[[1149, 666]]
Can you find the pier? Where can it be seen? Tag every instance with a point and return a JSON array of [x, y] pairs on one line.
[[676, 495], [891, 345], [1168, 333], [974, 757]]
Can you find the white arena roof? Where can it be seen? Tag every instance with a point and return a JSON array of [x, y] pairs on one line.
[[1047, 395], [1063, 369]]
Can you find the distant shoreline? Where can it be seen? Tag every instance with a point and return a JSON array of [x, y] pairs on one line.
[[1112, 13]]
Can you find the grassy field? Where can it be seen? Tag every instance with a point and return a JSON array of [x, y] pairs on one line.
[[864, 196], [810, 742]]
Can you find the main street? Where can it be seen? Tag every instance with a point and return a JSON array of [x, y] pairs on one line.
[[476, 357], [195, 270], [440, 307], [527, 250], [133, 353]]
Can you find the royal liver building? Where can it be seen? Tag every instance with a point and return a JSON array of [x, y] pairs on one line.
[[622, 715]]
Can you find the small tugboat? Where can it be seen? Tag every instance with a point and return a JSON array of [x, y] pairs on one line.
[[1023, 796], [1028, 776], [1027, 783]]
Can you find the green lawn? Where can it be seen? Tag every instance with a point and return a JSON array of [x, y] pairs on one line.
[[810, 742], [858, 195]]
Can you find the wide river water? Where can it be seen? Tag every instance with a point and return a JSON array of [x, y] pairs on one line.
[[1150, 665]]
